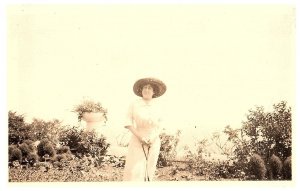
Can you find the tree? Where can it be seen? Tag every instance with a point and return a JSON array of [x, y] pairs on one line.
[[270, 132], [18, 130], [46, 129], [263, 133]]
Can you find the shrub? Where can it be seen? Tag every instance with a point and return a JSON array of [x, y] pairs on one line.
[[92, 145], [11, 148], [63, 149], [30, 143], [257, 167], [168, 148], [45, 147], [15, 154], [18, 130], [32, 158], [287, 168], [60, 157], [275, 167], [82, 142], [25, 149]]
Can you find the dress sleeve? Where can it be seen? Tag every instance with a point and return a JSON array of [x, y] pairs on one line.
[[129, 116]]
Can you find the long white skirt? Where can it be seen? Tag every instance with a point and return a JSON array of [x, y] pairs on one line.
[[135, 166]]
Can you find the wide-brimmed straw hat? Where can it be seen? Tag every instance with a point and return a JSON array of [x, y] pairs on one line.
[[159, 87]]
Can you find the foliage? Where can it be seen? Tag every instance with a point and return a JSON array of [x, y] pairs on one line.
[[46, 147], [32, 158], [25, 149], [270, 132], [225, 147], [213, 169], [257, 168], [84, 142], [275, 165], [60, 157], [63, 149], [168, 148], [287, 168], [89, 106], [14, 153], [263, 133], [18, 130], [24, 153], [46, 129], [30, 144], [76, 170]]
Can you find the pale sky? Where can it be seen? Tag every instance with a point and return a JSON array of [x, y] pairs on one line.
[[217, 61]]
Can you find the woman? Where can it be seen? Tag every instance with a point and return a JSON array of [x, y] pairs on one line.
[[143, 122]]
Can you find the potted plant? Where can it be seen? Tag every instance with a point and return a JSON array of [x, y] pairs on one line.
[[91, 111]]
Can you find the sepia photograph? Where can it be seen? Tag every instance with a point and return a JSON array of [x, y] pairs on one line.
[[166, 93]]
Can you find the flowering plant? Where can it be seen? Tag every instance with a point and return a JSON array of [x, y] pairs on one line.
[[89, 106]]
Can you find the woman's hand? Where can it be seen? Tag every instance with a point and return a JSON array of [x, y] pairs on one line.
[[145, 141]]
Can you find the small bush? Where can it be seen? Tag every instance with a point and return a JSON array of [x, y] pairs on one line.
[[30, 143], [63, 149], [257, 167], [25, 149], [11, 148], [60, 157], [45, 147], [167, 148], [32, 158], [287, 169], [275, 167], [15, 154], [82, 142]]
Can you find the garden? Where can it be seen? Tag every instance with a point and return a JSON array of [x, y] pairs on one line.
[[47, 151]]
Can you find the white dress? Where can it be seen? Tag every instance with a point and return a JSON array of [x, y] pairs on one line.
[[145, 118]]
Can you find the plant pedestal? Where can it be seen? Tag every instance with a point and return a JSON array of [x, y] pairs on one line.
[[93, 120]]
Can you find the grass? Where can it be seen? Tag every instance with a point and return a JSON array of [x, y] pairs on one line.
[[93, 174]]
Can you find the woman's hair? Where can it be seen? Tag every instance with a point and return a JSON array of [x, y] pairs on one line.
[[154, 87]]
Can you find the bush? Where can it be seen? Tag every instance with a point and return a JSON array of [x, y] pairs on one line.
[[82, 142], [167, 148], [92, 145], [60, 157], [25, 149], [275, 167], [18, 130], [30, 143], [15, 154], [32, 158], [45, 147], [63, 149], [11, 148], [257, 167], [287, 169]]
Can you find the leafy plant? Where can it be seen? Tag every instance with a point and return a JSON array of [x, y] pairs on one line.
[[14, 153], [45, 147], [263, 133], [84, 142], [257, 167], [287, 168], [89, 106], [18, 130], [275, 166], [32, 158], [168, 148]]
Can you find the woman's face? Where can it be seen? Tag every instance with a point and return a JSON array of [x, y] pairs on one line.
[[147, 92]]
